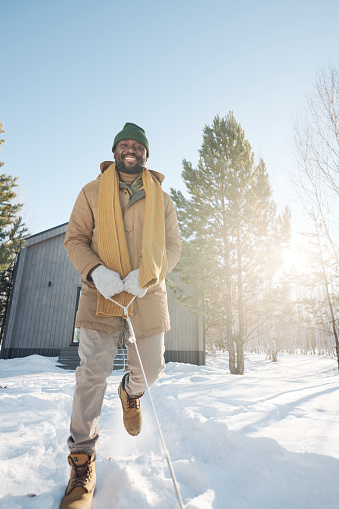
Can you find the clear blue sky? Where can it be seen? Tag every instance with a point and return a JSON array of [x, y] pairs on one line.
[[73, 72]]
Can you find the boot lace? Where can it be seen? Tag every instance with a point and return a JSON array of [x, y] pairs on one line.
[[132, 402], [82, 474]]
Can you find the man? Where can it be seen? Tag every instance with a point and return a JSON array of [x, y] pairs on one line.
[[123, 239]]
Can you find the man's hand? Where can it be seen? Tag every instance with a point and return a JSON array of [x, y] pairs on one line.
[[131, 284], [107, 281]]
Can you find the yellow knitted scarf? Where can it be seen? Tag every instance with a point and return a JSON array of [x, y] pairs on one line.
[[113, 249]]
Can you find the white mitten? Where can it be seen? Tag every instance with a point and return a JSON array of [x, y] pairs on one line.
[[107, 281], [132, 285]]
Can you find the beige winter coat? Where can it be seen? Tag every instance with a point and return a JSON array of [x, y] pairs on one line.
[[150, 314]]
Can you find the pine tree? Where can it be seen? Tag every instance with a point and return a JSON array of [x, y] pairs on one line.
[[12, 235], [232, 237]]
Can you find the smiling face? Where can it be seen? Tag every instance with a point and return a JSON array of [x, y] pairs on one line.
[[130, 156]]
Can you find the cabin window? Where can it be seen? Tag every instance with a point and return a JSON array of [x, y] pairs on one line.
[[76, 331], [76, 336]]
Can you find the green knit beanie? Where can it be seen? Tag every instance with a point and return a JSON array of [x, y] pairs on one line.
[[132, 132]]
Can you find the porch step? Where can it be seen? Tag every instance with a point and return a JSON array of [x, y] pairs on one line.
[[69, 358]]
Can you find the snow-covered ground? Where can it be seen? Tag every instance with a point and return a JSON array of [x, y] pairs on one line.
[[265, 440]]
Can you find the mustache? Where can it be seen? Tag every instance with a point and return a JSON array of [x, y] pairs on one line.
[[130, 154]]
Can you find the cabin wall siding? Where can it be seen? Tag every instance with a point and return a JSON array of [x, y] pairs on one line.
[[186, 339]]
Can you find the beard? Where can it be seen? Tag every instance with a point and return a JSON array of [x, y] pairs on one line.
[[137, 168]]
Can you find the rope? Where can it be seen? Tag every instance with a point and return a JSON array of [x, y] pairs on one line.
[[133, 340]]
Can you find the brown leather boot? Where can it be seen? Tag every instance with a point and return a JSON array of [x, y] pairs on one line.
[[80, 489], [132, 416]]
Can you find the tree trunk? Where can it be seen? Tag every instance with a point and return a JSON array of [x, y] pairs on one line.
[[228, 298], [240, 340], [334, 327], [329, 300], [240, 358], [229, 328], [231, 357]]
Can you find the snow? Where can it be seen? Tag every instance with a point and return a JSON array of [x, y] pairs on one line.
[[267, 439]]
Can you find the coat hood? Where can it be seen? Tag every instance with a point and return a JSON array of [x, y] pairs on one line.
[[105, 164]]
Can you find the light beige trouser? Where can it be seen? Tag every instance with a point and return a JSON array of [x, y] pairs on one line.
[[97, 351]]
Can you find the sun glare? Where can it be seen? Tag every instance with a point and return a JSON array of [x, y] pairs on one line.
[[295, 260]]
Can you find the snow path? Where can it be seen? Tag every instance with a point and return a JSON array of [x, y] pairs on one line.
[[268, 439]]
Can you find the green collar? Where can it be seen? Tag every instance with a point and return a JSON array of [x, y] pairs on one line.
[[136, 184]]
